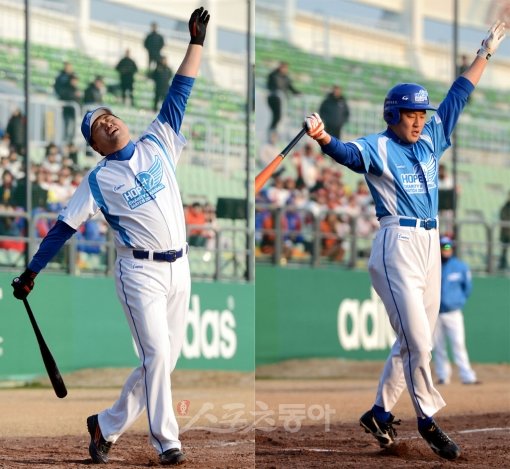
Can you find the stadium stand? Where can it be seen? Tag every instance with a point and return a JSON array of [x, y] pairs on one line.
[[367, 83], [215, 149]]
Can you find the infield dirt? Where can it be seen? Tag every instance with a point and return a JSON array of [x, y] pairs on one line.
[[306, 414]]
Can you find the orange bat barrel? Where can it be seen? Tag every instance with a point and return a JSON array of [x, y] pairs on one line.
[[269, 170]]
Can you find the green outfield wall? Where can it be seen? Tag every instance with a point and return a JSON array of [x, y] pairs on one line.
[[85, 327], [304, 313]]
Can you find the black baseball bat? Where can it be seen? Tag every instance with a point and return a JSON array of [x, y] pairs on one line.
[[51, 367]]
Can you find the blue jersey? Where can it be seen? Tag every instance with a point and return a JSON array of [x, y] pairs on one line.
[[403, 177], [456, 285]]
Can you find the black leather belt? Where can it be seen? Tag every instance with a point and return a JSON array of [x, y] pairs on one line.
[[162, 256], [428, 224]]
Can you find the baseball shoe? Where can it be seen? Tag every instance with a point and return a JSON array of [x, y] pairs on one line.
[[382, 431], [172, 457], [99, 447], [439, 441]]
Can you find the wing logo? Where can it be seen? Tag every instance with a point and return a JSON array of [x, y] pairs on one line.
[[147, 184], [422, 179]]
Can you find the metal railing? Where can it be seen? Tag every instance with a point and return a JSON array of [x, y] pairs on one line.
[[478, 241], [225, 257]]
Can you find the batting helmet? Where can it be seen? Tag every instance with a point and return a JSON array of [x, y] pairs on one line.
[[405, 96]]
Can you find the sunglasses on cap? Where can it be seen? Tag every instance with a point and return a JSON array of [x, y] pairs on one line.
[[446, 246]]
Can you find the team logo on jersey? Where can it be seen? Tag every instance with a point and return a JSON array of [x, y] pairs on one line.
[[423, 177], [147, 184]]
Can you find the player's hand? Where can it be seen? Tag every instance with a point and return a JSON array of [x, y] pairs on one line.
[[315, 129], [491, 42], [198, 25], [23, 284]]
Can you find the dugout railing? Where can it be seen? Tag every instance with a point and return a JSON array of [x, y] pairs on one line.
[[226, 254], [478, 241]]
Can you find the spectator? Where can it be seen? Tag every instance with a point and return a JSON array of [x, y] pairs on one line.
[[504, 234], [90, 237], [60, 191], [153, 43], [52, 161], [5, 145], [279, 84], [40, 190], [70, 155], [307, 163], [16, 131], [455, 289], [71, 95], [195, 217], [331, 237], [161, 76], [15, 164], [210, 233], [278, 194], [334, 111], [63, 79], [94, 92], [127, 69], [7, 189]]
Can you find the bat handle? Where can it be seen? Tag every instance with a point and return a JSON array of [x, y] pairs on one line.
[[293, 142]]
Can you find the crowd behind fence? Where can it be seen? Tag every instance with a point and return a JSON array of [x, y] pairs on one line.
[[226, 256], [349, 244]]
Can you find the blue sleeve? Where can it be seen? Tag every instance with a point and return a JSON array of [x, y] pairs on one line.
[[50, 245], [347, 154], [174, 105], [468, 283], [453, 104]]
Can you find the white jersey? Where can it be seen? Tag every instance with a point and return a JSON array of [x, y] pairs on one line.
[[137, 192]]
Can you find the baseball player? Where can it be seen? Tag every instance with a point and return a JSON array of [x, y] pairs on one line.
[[135, 188], [401, 169], [456, 287]]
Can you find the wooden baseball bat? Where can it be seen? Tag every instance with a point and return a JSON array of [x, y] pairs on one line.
[[269, 170], [51, 367]]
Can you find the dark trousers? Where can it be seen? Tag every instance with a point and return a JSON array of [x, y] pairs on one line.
[[127, 92], [275, 104], [334, 129]]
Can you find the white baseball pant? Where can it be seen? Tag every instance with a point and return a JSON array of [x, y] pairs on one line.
[[405, 268], [450, 327], [155, 297]]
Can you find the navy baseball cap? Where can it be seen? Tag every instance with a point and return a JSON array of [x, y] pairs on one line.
[[89, 119]]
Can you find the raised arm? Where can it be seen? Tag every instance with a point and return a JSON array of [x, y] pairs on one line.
[[490, 43], [197, 29]]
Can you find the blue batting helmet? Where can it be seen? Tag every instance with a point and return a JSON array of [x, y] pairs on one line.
[[405, 96]]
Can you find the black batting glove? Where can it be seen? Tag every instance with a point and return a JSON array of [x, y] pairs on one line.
[[198, 25], [23, 284]]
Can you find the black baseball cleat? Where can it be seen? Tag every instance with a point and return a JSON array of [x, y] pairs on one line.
[[440, 442], [382, 431], [99, 447], [172, 457]]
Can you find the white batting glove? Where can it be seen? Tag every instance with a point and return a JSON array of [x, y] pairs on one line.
[[491, 42], [315, 127]]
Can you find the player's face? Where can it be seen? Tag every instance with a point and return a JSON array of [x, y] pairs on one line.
[[109, 134], [446, 251], [410, 125]]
